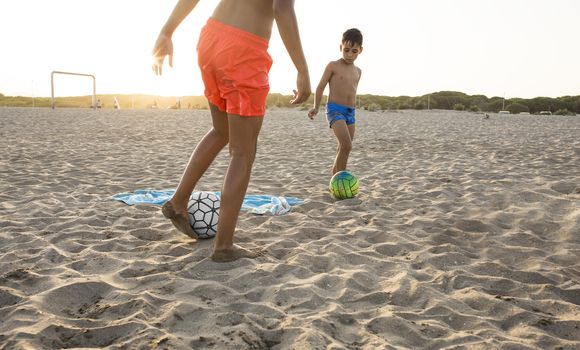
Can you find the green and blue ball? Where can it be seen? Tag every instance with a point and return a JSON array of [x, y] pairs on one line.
[[343, 185]]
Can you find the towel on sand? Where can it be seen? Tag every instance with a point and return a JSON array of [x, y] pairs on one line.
[[254, 203]]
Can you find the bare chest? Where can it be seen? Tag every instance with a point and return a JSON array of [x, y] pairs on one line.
[[347, 77]]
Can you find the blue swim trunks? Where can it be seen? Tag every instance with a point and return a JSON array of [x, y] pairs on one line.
[[335, 112]]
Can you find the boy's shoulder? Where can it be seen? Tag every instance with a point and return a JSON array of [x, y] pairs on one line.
[[339, 62], [333, 63], [339, 65]]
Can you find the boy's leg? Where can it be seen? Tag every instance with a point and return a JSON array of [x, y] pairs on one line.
[[201, 158], [243, 145], [343, 136], [351, 129]]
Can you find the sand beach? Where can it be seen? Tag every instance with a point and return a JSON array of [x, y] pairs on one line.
[[465, 235]]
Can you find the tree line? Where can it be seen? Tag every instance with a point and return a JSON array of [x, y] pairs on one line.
[[450, 100], [453, 100]]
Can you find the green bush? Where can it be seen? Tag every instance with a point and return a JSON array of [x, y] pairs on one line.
[[563, 112], [420, 105], [458, 107], [373, 107], [516, 108]]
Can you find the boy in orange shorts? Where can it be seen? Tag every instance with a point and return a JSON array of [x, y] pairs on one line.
[[234, 62]]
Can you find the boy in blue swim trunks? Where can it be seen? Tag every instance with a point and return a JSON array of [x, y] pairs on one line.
[[342, 76]]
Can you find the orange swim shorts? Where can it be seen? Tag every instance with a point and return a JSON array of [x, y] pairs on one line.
[[234, 67]]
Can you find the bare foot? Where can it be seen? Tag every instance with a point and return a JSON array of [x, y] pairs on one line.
[[234, 253], [179, 220]]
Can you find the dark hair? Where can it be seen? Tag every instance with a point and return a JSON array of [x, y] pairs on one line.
[[353, 36]]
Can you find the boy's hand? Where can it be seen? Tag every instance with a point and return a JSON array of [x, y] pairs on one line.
[[312, 113], [303, 86], [163, 47]]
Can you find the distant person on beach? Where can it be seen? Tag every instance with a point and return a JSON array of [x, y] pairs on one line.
[[234, 63], [342, 76]]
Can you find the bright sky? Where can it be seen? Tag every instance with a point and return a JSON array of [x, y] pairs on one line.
[[511, 48]]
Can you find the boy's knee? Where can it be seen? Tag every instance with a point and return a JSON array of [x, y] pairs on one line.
[[246, 155], [224, 137], [345, 146]]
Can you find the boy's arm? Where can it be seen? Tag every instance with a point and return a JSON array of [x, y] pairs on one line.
[[164, 46], [322, 85], [288, 27], [320, 90]]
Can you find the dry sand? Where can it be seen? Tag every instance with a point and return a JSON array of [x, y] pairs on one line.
[[466, 235]]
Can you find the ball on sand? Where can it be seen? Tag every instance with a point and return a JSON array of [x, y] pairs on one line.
[[343, 185], [204, 212]]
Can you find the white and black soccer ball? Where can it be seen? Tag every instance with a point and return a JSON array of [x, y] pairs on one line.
[[204, 212]]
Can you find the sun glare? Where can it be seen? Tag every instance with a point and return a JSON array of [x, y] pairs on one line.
[[411, 48]]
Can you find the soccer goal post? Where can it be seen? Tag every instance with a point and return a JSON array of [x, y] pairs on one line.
[[94, 104]]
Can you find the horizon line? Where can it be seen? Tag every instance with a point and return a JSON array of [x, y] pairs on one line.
[[282, 94]]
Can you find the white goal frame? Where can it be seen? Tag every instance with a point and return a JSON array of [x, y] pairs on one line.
[[94, 104]]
